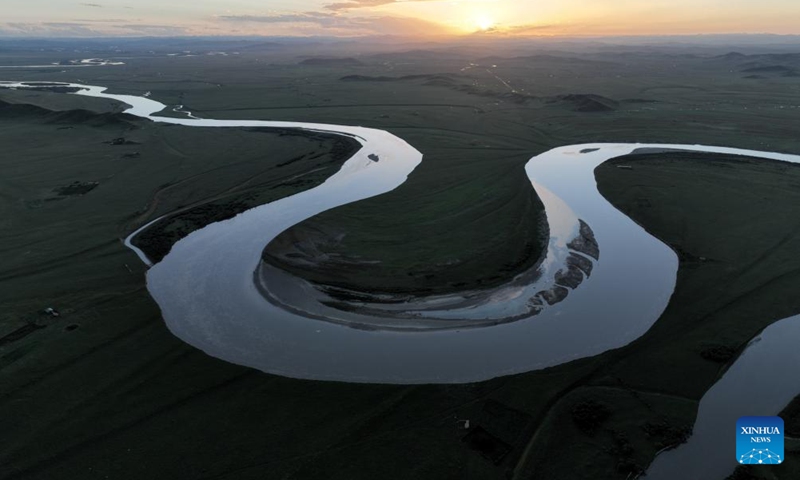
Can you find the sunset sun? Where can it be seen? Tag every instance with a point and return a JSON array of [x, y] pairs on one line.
[[484, 23]]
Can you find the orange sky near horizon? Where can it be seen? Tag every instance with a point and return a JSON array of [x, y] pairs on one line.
[[607, 17], [398, 17]]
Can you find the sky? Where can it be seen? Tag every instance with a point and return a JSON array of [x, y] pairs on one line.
[[415, 18]]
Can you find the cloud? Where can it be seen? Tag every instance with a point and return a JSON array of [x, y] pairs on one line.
[[521, 30], [155, 30], [309, 23], [307, 17], [351, 4], [94, 5], [104, 20], [89, 29], [50, 29], [334, 23], [357, 4]]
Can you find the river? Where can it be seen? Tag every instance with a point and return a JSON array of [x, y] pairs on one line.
[[206, 290]]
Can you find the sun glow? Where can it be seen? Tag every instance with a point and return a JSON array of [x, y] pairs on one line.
[[484, 23]]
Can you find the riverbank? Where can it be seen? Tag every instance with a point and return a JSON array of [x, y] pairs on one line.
[[324, 155]]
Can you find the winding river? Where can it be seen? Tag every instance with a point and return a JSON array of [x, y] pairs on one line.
[[86, 62], [215, 294]]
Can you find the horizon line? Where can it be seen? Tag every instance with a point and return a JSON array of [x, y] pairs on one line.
[[474, 35]]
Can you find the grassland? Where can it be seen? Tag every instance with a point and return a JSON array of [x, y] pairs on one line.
[[69, 195], [119, 396], [477, 120]]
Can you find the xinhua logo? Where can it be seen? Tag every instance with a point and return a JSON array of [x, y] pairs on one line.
[[759, 440]]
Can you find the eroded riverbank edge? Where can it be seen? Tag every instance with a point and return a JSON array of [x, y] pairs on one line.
[[156, 237], [376, 310]]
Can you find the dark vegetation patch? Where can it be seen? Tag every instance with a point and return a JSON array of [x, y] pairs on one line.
[[49, 87], [504, 421], [86, 117], [157, 240], [790, 58], [337, 147], [501, 432], [763, 65], [120, 141], [448, 79], [639, 101], [332, 62], [70, 118], [489, 446], [664, 434], [571, 278], [732, 56], [585, 242], [16, 110], [76, 188], [20, 333], [584, 264], [542, 59], [778, 70], [43, 84], [684, 255], [624, 451], [589, 415], [58, 89], [293, 160], [589, 103], [719, 353], [793, 58]]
